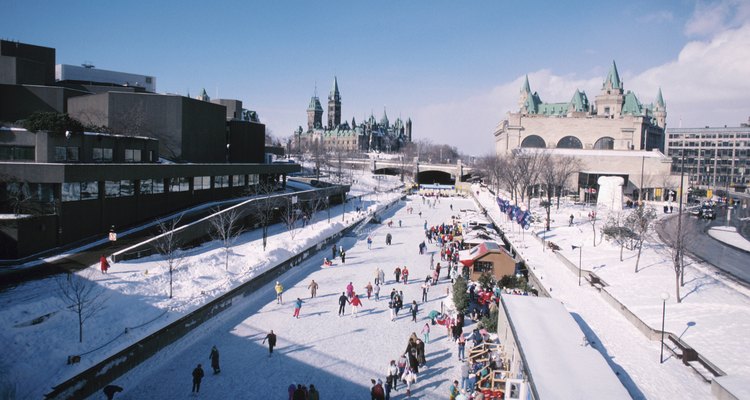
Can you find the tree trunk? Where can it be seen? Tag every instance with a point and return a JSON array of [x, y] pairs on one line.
[[638, 259], [677, 288], [170, 280], [622, 245], [80, 326], [593, 226], [226, 259]]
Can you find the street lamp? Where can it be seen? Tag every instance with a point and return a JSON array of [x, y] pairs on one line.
[[580, 256], [664, 298]]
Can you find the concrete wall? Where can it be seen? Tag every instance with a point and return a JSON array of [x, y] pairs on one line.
[[19, 101], [203, 131], [247, 141], [35, 65]]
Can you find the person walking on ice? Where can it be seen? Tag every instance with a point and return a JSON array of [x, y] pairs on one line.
[[313, 286], [214, 357], [104, 264], [414, 310], [197, 377], [297, 307], [369, 242], [342, 303], [279, 289], [271, 337], [426, 332], [356, 303]]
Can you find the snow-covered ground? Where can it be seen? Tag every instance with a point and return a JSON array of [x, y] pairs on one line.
[[713, 317], [729, 235], [341, 354]]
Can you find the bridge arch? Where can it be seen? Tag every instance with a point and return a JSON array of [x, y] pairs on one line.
[[434, 176]]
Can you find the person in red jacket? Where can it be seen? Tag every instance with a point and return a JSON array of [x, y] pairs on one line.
[[103, 264], [356, 303]]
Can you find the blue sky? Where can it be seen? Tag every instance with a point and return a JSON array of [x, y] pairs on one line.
[[454, 67]]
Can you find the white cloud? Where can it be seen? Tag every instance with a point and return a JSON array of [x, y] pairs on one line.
[[708, 84], [710, 18]]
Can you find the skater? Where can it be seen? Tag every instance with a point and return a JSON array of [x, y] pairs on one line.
[[343, 256], [432, 259], [381, 276], [426, 332], [425, 289], [297, 307], [104, 264], [405, 275], [437, 272], [342, 303], [420, 353], [327, 262], [356, 303], [279, 289], [398, 302], [399, 223], [388, 239], [397, 274], [369, 242], [313, 286], [341, 249], [453, 391], [571, 220], [377, 392], [414, 310], [197, 376], [377, 292], [349, 291], [368, 288], [214, 357], [271, 337], [333, 252], [110, 391], [392, 307]]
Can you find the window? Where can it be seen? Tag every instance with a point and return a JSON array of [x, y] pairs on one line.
[[101, 154], [221, 181], [238, 180], [89, 190], [253, 179], [71, 191], [180, 184], [119, 188], [201, 182], [132, 155], [60, 153], [152, 186], [483, 266], [17, 153]]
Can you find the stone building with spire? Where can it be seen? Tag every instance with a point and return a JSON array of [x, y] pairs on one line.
[[617, 134], [369, 135]]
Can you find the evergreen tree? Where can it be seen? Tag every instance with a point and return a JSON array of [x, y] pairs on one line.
[[460, 297]]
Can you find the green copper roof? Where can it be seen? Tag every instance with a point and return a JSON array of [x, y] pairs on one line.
[[553, 108], [632, 106], [526, 88], [315, 104], [532, 103], [579, 102], [660, 100], [613, 77]]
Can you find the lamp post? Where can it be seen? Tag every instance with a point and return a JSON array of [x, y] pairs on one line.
[[580, 256], [664, 298]]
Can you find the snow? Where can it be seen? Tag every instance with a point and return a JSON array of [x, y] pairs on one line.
[[713, 317], [729, 235], [550, 343], [341, 354]]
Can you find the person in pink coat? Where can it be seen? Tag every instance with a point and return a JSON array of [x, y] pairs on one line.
[[103, 264]]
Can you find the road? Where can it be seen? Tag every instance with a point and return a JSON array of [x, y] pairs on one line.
[[725, 258]]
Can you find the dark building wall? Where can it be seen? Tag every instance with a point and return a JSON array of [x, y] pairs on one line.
[[203, 131], [27, 235], [234, 107], [19, 101], [247, 141], [35, 65]]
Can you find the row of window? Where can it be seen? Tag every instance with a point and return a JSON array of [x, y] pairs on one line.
[[98, 154], [20, 153], [75, 191]]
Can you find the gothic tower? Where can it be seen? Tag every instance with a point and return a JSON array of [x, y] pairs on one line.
[[610, 100], [314, 114], [334, 106], [660, 111], [408, 129]]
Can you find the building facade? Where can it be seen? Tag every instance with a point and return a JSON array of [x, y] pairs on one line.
[[714, 158], [370, 135], [615, 135], [89, 75]]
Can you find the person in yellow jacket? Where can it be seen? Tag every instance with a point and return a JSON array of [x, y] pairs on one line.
[[279, 290]]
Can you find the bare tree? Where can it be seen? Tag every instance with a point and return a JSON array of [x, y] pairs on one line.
[[290, 215], [82, 296], [639, 222], [528, 164], [678, 237], [17, 195], [318, 156], [592, 220], [167, 243], [508, 174], [264, 207], [564, 168], [616, 230], [316, 203], [226, 228]]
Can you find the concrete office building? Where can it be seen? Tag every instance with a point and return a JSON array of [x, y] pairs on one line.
[[715, 157], [90, 75]]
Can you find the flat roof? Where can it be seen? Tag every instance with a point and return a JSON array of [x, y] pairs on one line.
[[550, 343]]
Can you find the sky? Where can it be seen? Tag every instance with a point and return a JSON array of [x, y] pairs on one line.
[[454, 68]]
